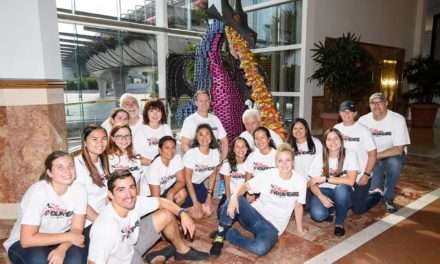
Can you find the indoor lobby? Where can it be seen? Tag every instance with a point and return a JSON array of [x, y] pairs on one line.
[[64, 64]]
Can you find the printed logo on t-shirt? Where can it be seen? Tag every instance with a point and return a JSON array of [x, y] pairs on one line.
[[237, 175], [164, 180], [351, 139], [305, 152], [128, 230], [203, 168], [53, 209], [261, 166], [280, 192], [379, 133], [125, 167], [152, 141], [334, 173]]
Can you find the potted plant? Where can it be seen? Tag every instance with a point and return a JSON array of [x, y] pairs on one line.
[[424, 75], [342, 71]]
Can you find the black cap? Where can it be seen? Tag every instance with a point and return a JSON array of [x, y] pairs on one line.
[[347, 105]]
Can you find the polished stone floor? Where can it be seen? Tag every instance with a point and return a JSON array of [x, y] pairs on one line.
[[421, 174]]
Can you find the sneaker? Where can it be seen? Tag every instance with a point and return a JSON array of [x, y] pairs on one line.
[[390, 206], [339, 231], [192, 255], [166, 252], [217, 245]]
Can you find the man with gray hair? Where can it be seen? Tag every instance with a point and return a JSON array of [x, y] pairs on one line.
[[390, 134], [251, 120]]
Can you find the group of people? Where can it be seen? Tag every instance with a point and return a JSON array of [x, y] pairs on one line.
[[130, 184]]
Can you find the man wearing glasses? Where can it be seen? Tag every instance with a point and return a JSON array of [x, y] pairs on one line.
[[390, 134]]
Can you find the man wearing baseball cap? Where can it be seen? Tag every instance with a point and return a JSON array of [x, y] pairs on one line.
[[391, 135], [359, 140]]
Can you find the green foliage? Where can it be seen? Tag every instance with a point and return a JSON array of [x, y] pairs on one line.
[[342, 68], [424, 74], [85, 84]]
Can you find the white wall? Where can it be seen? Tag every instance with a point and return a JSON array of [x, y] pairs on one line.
[[29, 46], [383, 22]]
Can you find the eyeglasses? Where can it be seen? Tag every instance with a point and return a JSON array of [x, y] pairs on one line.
[[376, 102], [119, 137]]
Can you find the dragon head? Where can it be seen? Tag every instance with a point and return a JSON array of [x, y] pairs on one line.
[[236, 19]]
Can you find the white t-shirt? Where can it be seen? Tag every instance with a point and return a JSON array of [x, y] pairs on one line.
[[202, 165], [388, 132], [146, 139], [278, 197], [162, 175], [191, 123], [256, 163], [350, 164], [124, 163], [238, 177], [250, 139], [96, 196], [112, 238], [42, 206], [306, 161], [358, 139]]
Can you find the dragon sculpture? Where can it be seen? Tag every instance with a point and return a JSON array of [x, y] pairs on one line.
[[228, 77]]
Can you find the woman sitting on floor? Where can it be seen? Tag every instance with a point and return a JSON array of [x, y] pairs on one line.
[[166, 178], [49, 228], [201, 163], [281, 191], [233, 170], [332, 190]]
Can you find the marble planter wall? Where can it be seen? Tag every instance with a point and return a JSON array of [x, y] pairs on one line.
[[32, 124]]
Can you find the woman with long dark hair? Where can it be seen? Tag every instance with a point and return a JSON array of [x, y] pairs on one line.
[[332, 189], [307, 149], [201, 163]]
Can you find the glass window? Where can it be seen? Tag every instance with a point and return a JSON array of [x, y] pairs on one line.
[[99, 65], [105, 8], [64, 4], [187, 14], [288, 107], [282, 69], [245, 3], [141, 11], [277, 25]]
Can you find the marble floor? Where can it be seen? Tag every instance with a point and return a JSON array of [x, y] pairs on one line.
[[420, 175]]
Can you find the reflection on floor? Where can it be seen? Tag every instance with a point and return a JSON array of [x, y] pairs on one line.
[[420, 176]]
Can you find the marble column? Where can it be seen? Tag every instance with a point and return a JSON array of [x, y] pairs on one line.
[[32, 121]]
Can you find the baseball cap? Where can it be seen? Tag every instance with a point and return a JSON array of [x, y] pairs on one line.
[[379, 96], [347, 105]]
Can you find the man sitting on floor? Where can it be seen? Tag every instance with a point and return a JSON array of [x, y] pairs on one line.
[[126, 228]]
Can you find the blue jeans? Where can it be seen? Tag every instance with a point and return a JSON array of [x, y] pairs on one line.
[[362, 200], [386, 175], [38, 255], [265, 234], [341, 197]]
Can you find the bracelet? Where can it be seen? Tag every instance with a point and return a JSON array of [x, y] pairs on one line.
[[179, 212], [368, 174]]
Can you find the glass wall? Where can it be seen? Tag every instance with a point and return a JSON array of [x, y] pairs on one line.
[[99, 65], [100, 62], [277, 25]]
